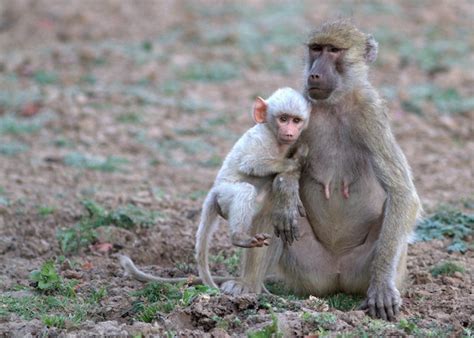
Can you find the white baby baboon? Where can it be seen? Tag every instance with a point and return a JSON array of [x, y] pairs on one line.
[[260, 154]]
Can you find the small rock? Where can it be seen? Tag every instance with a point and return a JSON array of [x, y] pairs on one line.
[[458, 275], [219, 333], [353, 317], [448, 280], [72, 274]]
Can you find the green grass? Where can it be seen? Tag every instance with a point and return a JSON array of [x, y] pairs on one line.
[[45, 210], [157, 298], [231, 261], [83, 161], [130, 118], [84, 232], [446, 269], [268, 331], [213, 72], [12, 148], [44, 77], [51, 299], [448, 223], [10, 124], [446, 100], [324, 320], [344, 302], [58, 321]]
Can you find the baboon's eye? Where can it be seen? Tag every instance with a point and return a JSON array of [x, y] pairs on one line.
[[283, 118], [334, 49], [316, 48], [296, 120]]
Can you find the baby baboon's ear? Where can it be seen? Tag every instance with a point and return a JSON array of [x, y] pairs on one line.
[[260, 110], [371, 49]]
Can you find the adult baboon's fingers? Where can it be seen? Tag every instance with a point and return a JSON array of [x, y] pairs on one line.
[[301, 210], [296, 233], [371, 306], [396, 308], [381, 307], [389, 309]]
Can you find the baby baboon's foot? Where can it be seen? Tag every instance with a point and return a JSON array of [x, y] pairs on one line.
[[236, 287], [245, 241]]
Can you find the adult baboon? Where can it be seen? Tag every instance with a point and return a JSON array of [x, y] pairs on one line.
[[356, 187]]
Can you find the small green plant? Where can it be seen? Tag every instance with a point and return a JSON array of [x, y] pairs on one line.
[[44, 77], [97, 295], [322, 319], [46, 278], [45, 210], [58, 321], [231, 262], [12, 148], [221, 323], [130, 216], [10, 124], [130, 118], [164, 298], [84, 232], [149, 313], [268, 331], [344, 302], [446, 269], [448, 223], [408, 325], [108, 164], [215, 72]]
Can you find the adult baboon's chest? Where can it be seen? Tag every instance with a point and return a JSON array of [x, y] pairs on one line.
[[335, 152], [340, 192]]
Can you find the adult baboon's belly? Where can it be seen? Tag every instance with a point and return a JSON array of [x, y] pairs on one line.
[[340, 222]]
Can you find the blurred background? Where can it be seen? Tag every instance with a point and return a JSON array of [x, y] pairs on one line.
[[136, 103]]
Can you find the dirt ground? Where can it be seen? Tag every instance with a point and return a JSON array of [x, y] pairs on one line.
[[129, 103]]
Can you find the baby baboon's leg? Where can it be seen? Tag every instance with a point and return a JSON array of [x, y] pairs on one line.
[[237, 202]]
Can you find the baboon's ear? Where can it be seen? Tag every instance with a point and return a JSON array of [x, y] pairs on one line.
[[260, 110], [371, 49]]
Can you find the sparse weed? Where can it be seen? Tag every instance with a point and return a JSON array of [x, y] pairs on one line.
[[446, 269], [10, 124], [84, 232], [130, 118], [322, 319], [47, 278], [97, 295], [12, 148], [409, 326], [58, 321], [344, 302], [44, 77], [215, 72], [45, 210], [108, 164], [231, 262], [197, 195], [268, 331], [449, 223], [164, 298]]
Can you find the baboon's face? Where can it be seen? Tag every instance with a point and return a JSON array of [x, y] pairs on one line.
[[324, 70]]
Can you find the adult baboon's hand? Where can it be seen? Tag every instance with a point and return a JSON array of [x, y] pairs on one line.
[[286, 208]]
